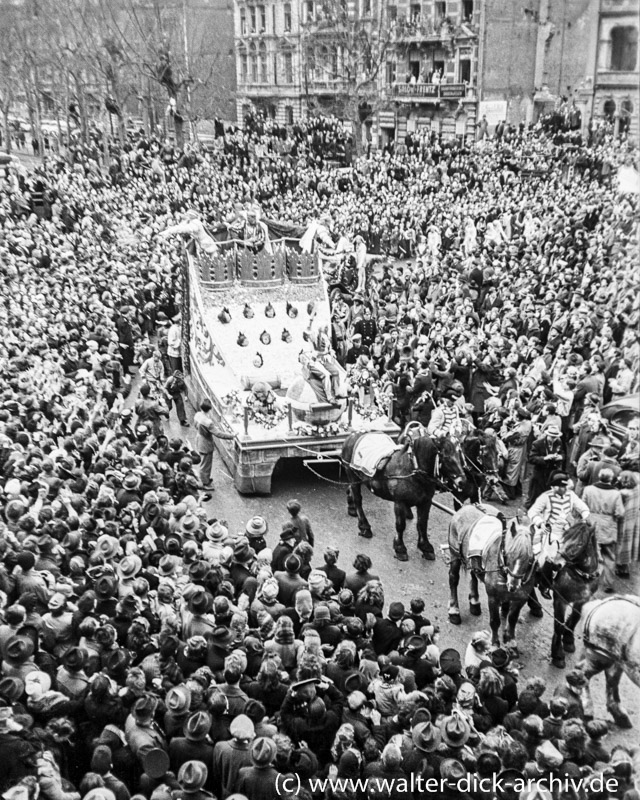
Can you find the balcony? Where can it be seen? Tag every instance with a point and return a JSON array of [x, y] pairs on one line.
[[336, 86], [423, 29], [431, 92]]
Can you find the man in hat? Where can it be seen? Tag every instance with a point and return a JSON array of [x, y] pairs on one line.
[[260, 780], [192, 778], [606, 505], [387, 634], [141, 730], [230, 756], [57, 626], [149, 409], [174, 343], [206, 431], [547, 457], [284, 548], [301, 523], [552, 513], [356, 350], [445, 419], [194, 744], [174, 389]]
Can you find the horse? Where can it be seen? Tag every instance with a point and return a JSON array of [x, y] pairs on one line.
[[481, 460], [409, 478], [506, 567], [573, 585], [611, 637]]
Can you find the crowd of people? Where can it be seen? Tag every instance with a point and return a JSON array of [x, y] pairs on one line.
[[146, 649]]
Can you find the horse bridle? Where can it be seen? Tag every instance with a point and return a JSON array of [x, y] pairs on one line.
[[525, 577]]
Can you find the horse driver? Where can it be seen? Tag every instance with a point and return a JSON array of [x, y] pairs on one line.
[[445, 420], [551, 514]]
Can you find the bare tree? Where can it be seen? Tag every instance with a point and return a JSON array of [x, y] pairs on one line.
[[346, 48]]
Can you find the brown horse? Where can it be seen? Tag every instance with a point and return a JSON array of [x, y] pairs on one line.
[[409, 478], [611, 636], [573, 585], [506, 567]]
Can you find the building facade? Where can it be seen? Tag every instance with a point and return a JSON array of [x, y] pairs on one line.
[[443, 64], [292, 59]]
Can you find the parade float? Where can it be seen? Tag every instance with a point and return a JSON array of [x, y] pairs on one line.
[[252, 325]]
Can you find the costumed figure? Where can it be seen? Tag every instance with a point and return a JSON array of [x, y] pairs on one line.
[[322, 364], [445, 420], [254, 233], [317, 239], [551, 514], [192, 227], [262, 398]]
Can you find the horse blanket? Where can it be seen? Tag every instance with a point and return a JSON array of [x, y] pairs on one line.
[[370, 450], [483, 534]]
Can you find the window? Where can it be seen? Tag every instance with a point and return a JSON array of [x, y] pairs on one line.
[[392, 11], [414, 12], [334, 63], [624, 48], [254, 66], [467, 10], [465, 70], [252, 18], [609, 109], [441, 9], [288, 115], [275, 70], [273, 19], [243, 67], [288, 67], [263, 63], [262, 13], [366, 8], [391, 72], [287, 17], [243, 22], [309, 7]]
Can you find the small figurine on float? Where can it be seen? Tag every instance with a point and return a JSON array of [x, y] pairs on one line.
[[262, 399]]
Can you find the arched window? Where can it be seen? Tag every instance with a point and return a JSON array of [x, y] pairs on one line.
[[624, 48], [609, 109]]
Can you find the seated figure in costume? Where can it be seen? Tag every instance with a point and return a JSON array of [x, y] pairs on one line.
[[262, 398], [254, 233], [551, 514], [322, 365]]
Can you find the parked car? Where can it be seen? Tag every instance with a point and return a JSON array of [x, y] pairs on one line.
[[619, 414]]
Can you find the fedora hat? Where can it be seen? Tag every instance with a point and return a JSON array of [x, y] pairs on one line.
[[416, 644], [197, 726], [292, 563], [105, 586], [256, 527], [178, 700], [553, 430], [129, 567], [107, 546], [263, 751], [11, 689], [200, 602], [198, 571], [192, 776], [19, 649], [243, 553], [426, 737], [500, 657], [131, 482], [173, 543], [455, 730], [75, 659], [216, 532], [167, 566], [221, 636], [189, 523], [452, 771]]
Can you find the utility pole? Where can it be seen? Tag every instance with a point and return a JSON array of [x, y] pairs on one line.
[[185, 37]]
